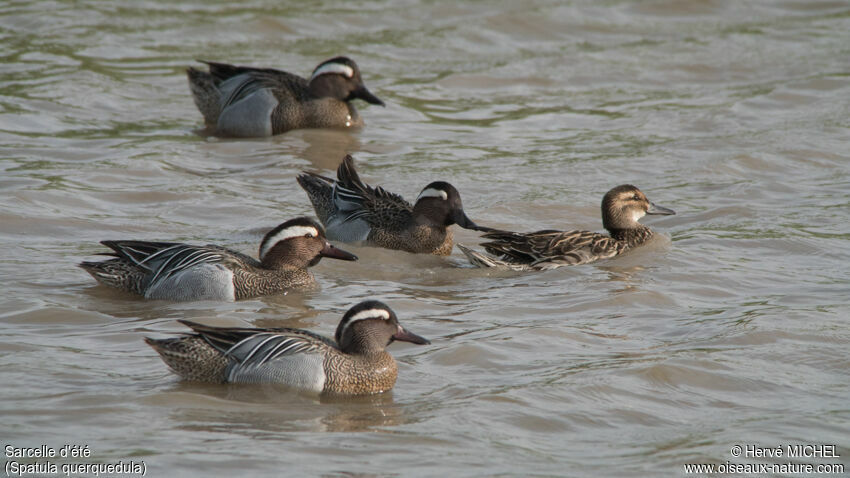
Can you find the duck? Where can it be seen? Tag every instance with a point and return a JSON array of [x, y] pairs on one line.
[[622, 207], [183, 272], [355, 362], [353, 211], [243, 101]]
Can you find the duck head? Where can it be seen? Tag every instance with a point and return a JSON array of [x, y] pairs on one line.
[[299, 242], [371, 326], [340, 78], [440, 204], [624, 205]]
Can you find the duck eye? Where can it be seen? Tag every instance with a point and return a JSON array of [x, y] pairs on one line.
[[309, 234], [636, 197]]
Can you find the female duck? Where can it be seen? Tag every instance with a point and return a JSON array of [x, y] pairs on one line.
[[622, 207], [174, 271], [355, 363]]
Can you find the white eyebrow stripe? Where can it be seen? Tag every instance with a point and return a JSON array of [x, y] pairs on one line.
[[289, 232], [339, 68], [433, 193], [363, 315], [369, 314]]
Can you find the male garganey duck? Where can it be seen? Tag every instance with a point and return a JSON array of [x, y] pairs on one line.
[[241, 101], [354, 363], [174, 271]]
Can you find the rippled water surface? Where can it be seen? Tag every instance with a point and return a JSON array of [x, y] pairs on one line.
[[730, 328]]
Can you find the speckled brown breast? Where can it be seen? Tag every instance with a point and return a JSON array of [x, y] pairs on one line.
[[295, 113], [419, 240], [331, 113], [255, 282], [633, 237], [359, 374]]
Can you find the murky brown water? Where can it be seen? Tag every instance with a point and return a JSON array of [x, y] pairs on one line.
[[732, 328]]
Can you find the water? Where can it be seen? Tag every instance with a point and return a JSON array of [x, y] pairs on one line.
[[730, 328]]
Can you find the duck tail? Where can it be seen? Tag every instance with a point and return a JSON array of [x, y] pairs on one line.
[[206, 94], [476, 258], [484, 261], [117, 273], [320, 192], [347, 175], [191, 358]]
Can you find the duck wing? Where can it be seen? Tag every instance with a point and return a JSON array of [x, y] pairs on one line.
[[166, 259], [281, 85], [547, 249], [254, 347], [357, 200]]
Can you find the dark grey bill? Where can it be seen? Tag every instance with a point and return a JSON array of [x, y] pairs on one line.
[[461, 219], [405, 336], [663, 211], [367, 96], [336, 253]]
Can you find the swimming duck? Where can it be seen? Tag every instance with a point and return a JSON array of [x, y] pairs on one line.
[[174, 271], [355, 363], [242, 101], [353, 211], [622, 207]]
